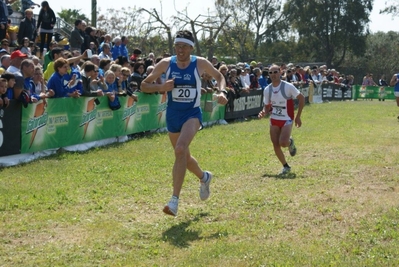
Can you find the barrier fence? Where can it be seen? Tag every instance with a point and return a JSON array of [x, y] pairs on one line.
[[61, 122]]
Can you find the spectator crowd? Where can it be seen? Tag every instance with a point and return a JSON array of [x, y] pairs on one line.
[[96, 64]]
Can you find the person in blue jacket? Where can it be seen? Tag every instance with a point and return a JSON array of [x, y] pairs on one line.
[[59, 81]]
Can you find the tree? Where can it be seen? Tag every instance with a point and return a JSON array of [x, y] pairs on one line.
[[70, 15], [328, 29], [252, 23], [379, 58], [158, 24], [391, 7]]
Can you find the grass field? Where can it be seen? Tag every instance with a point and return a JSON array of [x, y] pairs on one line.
[[338, 207]]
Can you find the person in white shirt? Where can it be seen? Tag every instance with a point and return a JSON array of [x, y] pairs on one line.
[[106, 52], [278, 98]]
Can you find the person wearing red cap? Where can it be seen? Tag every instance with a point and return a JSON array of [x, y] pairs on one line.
[[16, 58]]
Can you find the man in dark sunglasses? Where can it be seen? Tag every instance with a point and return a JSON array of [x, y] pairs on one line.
[[278, 98]]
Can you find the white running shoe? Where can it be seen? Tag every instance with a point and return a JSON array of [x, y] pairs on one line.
[[292, 148], [204, 188], [285, 171], [171, 208]]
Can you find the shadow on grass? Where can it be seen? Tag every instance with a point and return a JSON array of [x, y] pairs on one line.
[[180, 236], [290, 175]]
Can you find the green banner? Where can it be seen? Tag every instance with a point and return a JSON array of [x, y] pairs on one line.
[[373, 92], [61, 122]]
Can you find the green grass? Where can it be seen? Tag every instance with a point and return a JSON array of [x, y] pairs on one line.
[[103, 207]]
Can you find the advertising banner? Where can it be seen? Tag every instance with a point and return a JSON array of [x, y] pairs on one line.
[[373, 92], [10, 129], [61, 122]]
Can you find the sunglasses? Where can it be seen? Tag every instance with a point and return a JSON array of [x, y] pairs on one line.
[[273, 72]]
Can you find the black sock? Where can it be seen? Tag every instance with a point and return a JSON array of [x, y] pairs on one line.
[[286, 165]]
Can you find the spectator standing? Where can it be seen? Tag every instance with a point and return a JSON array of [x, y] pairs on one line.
[[76, 39], [116, 48], [89, 80], [46, 22], [124, 84], [55, 54], [382, 82], [368, 81], [245, 83], [137, 75], [136, 55], [4, 100], [254, 79], [224, 71], [3, 19], [27, 27], [48, 57], [58, 81], [263, 79], [107, 40], [89, 38], [16, 58], [10, 83], [215, 62], [106, 53], [105, 64], [83, 34], [38, 81], [27, 71], [5, 61], [123, 48]]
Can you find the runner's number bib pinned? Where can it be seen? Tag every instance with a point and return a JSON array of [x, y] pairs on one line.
[[184, 93]]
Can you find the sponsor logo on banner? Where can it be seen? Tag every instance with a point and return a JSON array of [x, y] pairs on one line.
[[161, 110], [38, 121], [88, 116], [129, 111]]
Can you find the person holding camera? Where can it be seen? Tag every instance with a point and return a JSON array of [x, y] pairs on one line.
[[90, 84], [183, 113]]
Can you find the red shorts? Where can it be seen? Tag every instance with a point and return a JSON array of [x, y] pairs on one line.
[[280, 123]]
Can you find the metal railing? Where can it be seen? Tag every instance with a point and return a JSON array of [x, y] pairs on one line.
[[61, 26]]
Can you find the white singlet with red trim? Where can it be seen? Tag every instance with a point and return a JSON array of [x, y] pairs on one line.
[[282, 102]]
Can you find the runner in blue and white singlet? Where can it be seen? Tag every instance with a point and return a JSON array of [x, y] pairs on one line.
[[183, 113], [185, 96]]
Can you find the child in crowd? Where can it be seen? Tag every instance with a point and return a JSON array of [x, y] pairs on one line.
[[25, 47], [4, 100], [10, 78]]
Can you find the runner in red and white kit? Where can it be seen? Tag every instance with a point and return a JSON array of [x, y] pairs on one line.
[[278, 98]]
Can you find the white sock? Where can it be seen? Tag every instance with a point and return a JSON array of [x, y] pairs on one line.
[[205, 177]]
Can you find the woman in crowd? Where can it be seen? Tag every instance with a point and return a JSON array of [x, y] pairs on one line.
[[25, 47], [58, 81], [46, 22], [40, 84], [137, 75], [123, 81]]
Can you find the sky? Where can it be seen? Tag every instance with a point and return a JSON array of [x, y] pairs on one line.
[[379, 22]]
